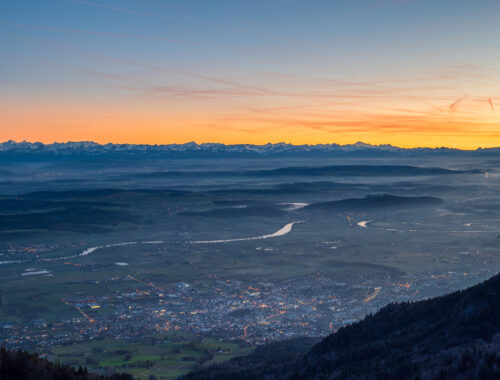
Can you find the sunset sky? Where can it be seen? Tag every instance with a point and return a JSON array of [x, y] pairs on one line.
[[402, 72]]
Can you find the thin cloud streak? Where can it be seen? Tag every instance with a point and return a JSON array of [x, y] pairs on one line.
[[106, 34], [359, 123], [161, 16], [121, 9]]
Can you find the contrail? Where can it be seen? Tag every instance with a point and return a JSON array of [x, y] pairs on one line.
[[428, 103], [452, 106], [89, 32], [162, 16], [491, 104], [183, 72], [121, 9]]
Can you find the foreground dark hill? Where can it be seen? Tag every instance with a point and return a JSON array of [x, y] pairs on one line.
[[20, 365], [456, 336]]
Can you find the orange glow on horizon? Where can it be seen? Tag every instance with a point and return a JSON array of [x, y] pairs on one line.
[[48, 123]]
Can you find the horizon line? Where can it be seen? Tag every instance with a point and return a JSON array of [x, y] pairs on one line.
[[250, 144]]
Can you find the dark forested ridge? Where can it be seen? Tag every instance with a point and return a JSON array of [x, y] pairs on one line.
[[21, 365], [378, 201], [456, 336]]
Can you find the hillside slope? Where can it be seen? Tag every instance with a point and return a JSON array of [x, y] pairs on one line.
[[381, 201]]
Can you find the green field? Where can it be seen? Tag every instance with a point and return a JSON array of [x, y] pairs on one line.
[[174, 354]]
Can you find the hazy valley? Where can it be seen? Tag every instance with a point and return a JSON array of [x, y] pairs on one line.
[[160, 266]]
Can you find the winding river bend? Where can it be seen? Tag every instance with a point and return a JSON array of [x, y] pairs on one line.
[[287, 228], [90, 250], [282, 231]]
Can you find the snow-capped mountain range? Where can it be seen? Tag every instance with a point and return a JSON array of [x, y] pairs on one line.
[[89, 149]]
